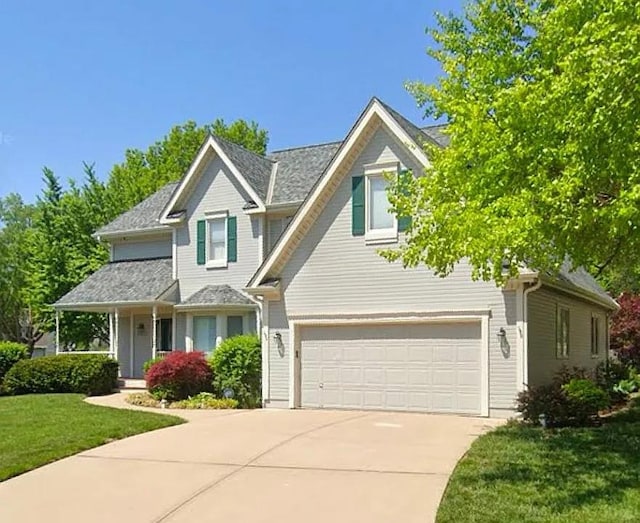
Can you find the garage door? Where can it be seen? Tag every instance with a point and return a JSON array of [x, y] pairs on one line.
[[422, 367]]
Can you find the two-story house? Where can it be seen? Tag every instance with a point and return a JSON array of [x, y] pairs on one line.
[[286, 246]]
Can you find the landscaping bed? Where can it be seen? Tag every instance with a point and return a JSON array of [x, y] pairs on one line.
[[526, 473], [38, 429], [203, 400]]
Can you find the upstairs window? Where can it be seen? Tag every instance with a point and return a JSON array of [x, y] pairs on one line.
[[371, 211], [216, 240]]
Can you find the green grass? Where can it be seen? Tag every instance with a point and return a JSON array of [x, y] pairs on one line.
[[526, 474], [39, 429]]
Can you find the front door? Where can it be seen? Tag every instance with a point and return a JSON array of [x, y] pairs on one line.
[[142, 338]]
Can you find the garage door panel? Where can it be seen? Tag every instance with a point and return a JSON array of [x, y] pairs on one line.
[[427, 367]]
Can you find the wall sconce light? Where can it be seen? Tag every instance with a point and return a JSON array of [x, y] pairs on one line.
[[502, 334], [504, 343], [140, 329], [278, 338]]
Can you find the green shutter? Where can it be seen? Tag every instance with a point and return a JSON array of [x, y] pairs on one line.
[[357, 205], [404, 222], [201, 242], [232, 239]]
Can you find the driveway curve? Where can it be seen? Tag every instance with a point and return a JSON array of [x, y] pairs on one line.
[[261, 466]]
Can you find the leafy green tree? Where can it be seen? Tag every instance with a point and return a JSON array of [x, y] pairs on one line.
[[144, 172], [16, 221], [543, 103]]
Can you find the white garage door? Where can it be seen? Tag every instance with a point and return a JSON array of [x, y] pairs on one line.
[[422, 367]]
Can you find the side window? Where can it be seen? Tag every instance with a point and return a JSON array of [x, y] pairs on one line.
[[216, 240], [562, 332], [597, 332], [234, 326]]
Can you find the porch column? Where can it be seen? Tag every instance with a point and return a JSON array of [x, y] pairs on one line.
[[154, 334], [132, 327], [110, 333], [116, 343], [174, 333], [57, 332]]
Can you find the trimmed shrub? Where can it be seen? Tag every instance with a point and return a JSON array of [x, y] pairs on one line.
[[608, 375], [149, 363], [625, 330], [572, 398], [205, 400], [179, 375], [91, 374], [237, 365], [10, 354], [585, 399]]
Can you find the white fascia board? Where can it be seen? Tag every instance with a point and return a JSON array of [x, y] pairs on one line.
[[374, 109]]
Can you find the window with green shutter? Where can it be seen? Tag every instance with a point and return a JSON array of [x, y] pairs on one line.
[[404, 222], [232, 239], [357, 206], [201, 241]]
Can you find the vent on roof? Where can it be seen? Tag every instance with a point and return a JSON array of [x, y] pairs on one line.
[[250, 205]]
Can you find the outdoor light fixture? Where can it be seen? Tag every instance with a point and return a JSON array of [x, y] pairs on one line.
[[140, 329], [502, 334], [278, 338]]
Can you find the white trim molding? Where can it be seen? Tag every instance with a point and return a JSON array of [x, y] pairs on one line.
[[435, 317]]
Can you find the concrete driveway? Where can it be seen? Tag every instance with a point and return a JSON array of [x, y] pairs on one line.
[[254, 466]]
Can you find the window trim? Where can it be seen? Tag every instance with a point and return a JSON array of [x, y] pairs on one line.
[[390, 234], [599, 346], [224, 262], [563, 350]]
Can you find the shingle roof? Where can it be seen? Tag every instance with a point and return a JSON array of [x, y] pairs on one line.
[[581, 279], [255, 168], [137, 281], [143, 216], [298, 169], [435, 133], [213, 295]]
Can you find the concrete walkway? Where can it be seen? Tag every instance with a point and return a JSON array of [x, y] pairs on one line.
[[254, 466]]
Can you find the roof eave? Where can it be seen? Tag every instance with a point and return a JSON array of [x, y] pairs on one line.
[[130, 232], [609, 304]]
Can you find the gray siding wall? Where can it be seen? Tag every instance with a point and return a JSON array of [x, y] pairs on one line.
[[142, 248], [333, 272], [217, 191], [543, 362]]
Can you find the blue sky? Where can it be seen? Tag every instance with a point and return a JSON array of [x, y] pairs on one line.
[[84, 81]]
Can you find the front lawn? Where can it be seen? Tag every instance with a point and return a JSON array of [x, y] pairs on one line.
[[38, 429], [527, 474]]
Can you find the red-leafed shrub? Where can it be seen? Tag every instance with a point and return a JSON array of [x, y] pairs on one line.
[[625, 330], [179, 375]]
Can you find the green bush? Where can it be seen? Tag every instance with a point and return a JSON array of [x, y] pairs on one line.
[[572, 398], [91, 374], [237, 365], [204, 400], [585, 399], [149, 363], [10, 354]]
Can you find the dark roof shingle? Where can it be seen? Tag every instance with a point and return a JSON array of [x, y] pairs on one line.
[[143, 216], [298, 169], [138, 281]]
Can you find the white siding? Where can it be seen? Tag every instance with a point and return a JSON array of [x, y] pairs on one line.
[[279, 356], [333, 272], [543, 363], [217, 190], [142, 248]]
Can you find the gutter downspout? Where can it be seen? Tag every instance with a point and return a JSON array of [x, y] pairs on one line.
[[525, 341]]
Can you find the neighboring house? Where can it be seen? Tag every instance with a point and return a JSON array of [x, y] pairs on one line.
[[286, 245]]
